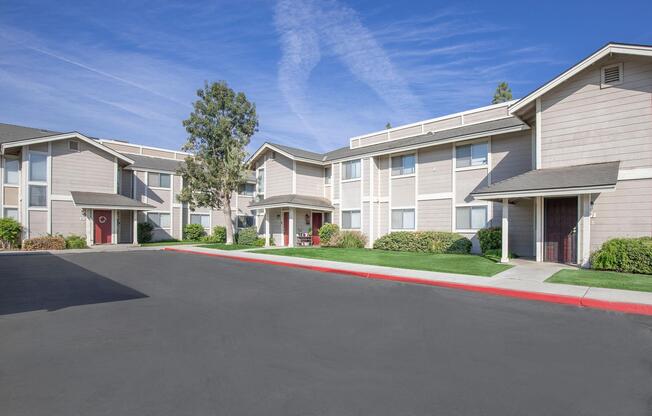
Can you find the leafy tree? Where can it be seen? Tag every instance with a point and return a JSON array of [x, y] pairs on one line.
[[388, 125], [219, 129], [503, 93]]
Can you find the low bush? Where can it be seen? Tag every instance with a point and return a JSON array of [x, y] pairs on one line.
[[75, 241], [628, 255], [194, 232], [219, 234], [348, 239], [424, 241], [247, 236], [46, 242], [326, 232], [260, 242], [490, 239], [144, 232], [10, 231]]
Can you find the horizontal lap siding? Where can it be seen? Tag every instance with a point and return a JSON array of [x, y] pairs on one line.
[[366, 218], [366, 185], [336, 181], [403, 192], [176, 223], [125, 234], [243, 205], [383, 219], [583, 123], [160, 199], [383, 177], [511, 155], [278, 176], [351, 195], [626, 212], [468, 181], [435, 215], [435, 169], [67, 219], [126, 183], [90, 169], [38, 223], [310, 179], [521, 226]]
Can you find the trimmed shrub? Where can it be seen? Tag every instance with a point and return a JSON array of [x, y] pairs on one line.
[[46, 242], [260, 242], [10, 231], [490, 239], [248, 236], [424, 241], [219, 234], [628, 255], [326, 232], [144, 232], [348, 239], [194, 232], [75, 241]]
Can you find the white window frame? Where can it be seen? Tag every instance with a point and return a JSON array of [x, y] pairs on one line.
[[620, 67], [391, 218], [159, 180], [245, 187], [200, 214], [472, 206], [350, 211], [6, 208], [159, 213], [484, 165], [328, 179], [260, 173], [5, 171], [237, 221], [343, 170], [43, 183], [402, 168]]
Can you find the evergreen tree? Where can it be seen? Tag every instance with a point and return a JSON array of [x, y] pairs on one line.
[[503, 93]]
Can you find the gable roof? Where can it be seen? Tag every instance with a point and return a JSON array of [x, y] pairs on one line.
[[11, 133], [153, 163], [609, 48], [293, 200], [104, 200]]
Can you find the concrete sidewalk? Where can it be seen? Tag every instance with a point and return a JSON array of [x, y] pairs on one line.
[[525, 280]]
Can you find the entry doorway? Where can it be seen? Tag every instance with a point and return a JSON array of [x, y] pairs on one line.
[[286, 228], [102, 221], [316, 225], [560, 236]]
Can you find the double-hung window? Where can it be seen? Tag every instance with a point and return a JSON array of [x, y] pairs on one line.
[[12, 168], [11, 213], [351, 220], [471, 218], [351, 169], [403, 165], [246, 189], [403, 219], [159, 219], [327, 175], [158, 180], [245, 221], [471, 155], [38, 176], [260, 184], [201, 219]]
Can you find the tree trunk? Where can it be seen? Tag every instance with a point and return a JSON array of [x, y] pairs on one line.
[[226, 209]]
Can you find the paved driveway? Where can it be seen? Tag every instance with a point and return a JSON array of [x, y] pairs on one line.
[[156, 333]]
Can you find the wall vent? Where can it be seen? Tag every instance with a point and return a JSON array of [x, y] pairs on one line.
[[611, 75], [73, 145]]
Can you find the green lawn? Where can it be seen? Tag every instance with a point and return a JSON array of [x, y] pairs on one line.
[[169, 243], [223, 246], [446, 263], [597, 278]]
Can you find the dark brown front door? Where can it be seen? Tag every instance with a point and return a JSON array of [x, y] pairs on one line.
[[316, 225], [102, 221], [560, 230], [286, 229]]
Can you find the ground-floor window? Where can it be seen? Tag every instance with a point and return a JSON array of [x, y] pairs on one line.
[[471, 218], [327, 218], [245, 221], [11, 213], [351, 219], [159, 219], [403, 219], [202, 219], [38, 196]]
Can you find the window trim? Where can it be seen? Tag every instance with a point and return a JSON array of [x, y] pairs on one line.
[[403, 175], [237, 221], [358, 210], [485, 165], [201, 214], [29, 170], [4, 171], [328, 179], [159, 180], [343, 170], [245, 187], [391, 225], [472, 230], [160, 213], [29, 195]]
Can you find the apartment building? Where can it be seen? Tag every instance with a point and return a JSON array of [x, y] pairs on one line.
[[69, 183], [561, 170]]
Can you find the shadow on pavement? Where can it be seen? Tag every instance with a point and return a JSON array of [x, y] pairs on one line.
[[45, 281]]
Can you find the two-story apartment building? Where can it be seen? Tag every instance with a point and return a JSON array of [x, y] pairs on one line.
[[69, 183], [561, 170]]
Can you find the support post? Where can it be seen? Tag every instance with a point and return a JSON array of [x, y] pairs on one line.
[[135, 227], [585, 230], [292, 227], [266, 216], [504, 258], [539, 228]]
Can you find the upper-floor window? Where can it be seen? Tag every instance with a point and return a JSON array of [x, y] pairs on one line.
[[351, 169], [260, 182], [38, 167], [328, 172], [403, 165], [12, 167], [471, 155], [246, 189], [245, 221], [158, 180]]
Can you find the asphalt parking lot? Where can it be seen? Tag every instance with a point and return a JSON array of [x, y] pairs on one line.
[[161, 333]]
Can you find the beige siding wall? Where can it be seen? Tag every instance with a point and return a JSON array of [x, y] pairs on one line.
[[161, 234], [366, 219], [10, 195], [383, 219], [159, 198], [278, 176], [141, 188], [336, 181], [67, 219], [90, 169], [403, 192], [383, 167], [125, 234], [434, 215], [38, 223], [583, 123], [366, 180], [521, 226], [351, 195], [310, 179], [176, 223], [243, 205], [466, 182], [435, 169], [626, 212], [176, 183], [511, 155], [126, 183]]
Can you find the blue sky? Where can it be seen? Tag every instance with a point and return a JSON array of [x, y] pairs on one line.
[[318, 71]]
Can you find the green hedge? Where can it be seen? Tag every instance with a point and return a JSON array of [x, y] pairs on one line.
[[248, 236], [628, 255], [10, 231], [193, 232], [219, 234], [326, 232], [490, 239], [144, 232], [348, 239], [75, 241], [424, 241]]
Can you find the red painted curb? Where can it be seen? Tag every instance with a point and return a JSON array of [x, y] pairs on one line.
[[624, 307]]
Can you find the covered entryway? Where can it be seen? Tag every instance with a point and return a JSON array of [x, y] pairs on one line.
[[560, 230], [102, 228]]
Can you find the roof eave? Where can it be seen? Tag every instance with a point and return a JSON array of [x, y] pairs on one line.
[[488, 196]]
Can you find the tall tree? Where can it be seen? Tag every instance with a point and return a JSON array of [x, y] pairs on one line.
[[219, 129], [503, 93], [388, 125]]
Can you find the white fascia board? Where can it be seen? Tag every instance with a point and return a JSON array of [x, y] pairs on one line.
[[64, 136], [120, 208], [286, 205], [580, 66], [270, 146], [545, 192], [146, 147]]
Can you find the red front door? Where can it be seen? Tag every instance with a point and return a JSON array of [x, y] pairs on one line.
[[560, 239], [316, 225], [102, 221], [286, 229]]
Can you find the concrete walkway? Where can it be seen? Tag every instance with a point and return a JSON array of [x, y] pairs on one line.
[[525, 280]]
